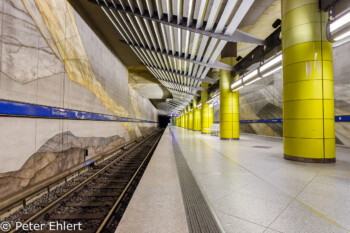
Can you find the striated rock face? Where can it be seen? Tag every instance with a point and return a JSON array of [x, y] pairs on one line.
[[67, 140], [61, 152], [145, 130]]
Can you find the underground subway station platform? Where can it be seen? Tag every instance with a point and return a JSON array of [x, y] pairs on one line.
[[175, 116]]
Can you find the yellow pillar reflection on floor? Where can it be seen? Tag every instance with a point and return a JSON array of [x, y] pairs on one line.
[[190, 117], [199, 119], [183, 119], [308, 102], [207, 113], [229, 104], [196, 116]]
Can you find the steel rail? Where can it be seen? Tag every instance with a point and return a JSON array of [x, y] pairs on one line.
[[110, 213], [16, 199]]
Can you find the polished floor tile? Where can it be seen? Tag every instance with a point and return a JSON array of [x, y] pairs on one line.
[[297, 218], [253, 189], [237, 225]]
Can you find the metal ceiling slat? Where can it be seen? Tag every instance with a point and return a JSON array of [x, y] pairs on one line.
[[127, 26], [152, 56], [200, 19], [122, 31], [171, 35], [192, 29], [188, 34], [159, 39], [119, 22], [131, 20], [136, 29], [144, 32], [216, 64], [179, 32], [162, 58], [205, 79], [166, 45], [170, 10], [237, 18], [159, 8], [172, 43], [209, 26], [219, 28], [177, 73]]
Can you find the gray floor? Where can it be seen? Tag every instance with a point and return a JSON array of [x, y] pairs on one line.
[[253, 189], [157, 204]]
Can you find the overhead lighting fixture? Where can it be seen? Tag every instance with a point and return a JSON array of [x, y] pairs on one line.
[[339, 28], [237, 88], [271, 63], [252, 81], [342, 36], [272, 71], [246, 79], [339, 22], [250, 75], [236, 84]]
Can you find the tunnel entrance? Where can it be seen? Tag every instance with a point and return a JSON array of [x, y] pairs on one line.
[[163, 121]]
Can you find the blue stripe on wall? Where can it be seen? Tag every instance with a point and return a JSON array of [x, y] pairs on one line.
[[262, 121], [344, 118], [8, 108]]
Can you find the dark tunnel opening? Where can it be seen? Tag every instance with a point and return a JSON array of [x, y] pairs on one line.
[[163, 121]]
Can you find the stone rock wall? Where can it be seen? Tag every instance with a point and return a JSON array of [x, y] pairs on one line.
[[59, 153], [46, 58]]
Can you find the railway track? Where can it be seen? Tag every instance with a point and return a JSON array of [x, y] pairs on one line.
[[93, 201]]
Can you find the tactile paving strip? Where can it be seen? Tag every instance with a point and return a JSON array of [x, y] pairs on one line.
[[200, 216]]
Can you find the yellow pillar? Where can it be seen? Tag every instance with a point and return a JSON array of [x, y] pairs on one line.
[[199, 119], [229, 104], [308, 102], [207, 113], [180, 119], [190, 117], [186, 118], [183, 119], [196, 116]]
